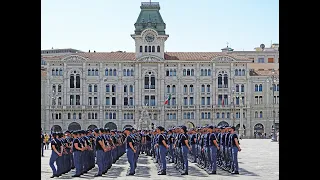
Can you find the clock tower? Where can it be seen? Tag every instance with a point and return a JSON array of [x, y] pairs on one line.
[[149, 34]]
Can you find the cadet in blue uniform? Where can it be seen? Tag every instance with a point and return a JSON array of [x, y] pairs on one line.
[[100, 149], [130, 150], [42, 142], [185, 149], [213, 146], [235, 148], [193, 142], [77, 148], [162, 145], [170, 143], [56, 153]]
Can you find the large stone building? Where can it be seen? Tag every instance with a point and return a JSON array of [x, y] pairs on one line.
[[117, 89]]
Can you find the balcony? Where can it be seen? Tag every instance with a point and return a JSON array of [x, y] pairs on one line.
[[127, 107], [110, 107], [92, 107], [171, 107], [75, 90]]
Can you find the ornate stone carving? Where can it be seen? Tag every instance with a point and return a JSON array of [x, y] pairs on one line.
[[223, 59], [74, 59], [150, 59]]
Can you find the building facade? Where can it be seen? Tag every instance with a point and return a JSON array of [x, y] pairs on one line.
[[112, 89]]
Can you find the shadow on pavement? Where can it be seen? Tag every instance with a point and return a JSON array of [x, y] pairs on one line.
[[143, 171], [114, 172]]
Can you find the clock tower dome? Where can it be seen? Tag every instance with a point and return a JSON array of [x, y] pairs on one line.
[[149, 34]]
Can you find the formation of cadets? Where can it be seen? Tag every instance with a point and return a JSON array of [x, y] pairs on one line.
[[208, 146]]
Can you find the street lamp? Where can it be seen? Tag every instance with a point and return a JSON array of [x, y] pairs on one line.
[[53, 98], [273, 80]]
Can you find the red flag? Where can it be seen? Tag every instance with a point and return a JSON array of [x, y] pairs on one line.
[[222, 102]]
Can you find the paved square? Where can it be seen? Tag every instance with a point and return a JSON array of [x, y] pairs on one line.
[[259, 159]]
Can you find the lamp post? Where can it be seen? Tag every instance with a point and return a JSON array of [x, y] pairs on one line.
[[273, 80], [53, 98], [241, 130]]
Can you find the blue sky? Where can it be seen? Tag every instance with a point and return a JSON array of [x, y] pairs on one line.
[[193, 26]]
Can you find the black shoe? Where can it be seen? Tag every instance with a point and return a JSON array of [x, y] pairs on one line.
[[213, 172], [76, 175], [185, 173], [162, 173], [235, 172], [97, 175], [130, 174], [53, 176]]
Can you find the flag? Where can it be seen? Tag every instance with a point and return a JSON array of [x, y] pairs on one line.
[[167, 100], [222, 102]]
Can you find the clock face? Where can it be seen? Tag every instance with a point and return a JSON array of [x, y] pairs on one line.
[[149, 37]]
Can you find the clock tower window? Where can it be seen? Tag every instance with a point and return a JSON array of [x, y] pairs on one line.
[[158, 49], [146, 49], [149, 48], [153, 49], [140, 48]]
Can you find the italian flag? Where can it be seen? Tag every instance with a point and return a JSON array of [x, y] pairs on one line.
[[167, 100]]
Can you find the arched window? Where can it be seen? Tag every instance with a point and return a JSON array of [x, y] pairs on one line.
[[242, 88], [57, 72], [202, 115], [53, 72], [107, 115], [256, 89], [106, 72], [225, 80], [110, 72], [256, 114], [114, 116], [168, 89], [243, 72], [125, 116], [228, 115], [74, 116], [128, 72], [191, 88], [261, 114], [188, 72], [202, 88], [132, 72], [92, 115], [170, 72], [184, 115], [260, 87], [95, 88], [188, 115], [80, 115], [153, 49], [59, 88], [114, 72], [236, 72], [77, 81], [220, 81], [95, 115], [113, 89], [60, 72], [96, 72], [131, 88], [174, 72], [209, 72], [59, 101], [140, 48], [145, 48], [201, 72], [192, 72], [184, 72], [209, 115], [192, 115], [149, 48], [158, 48], [124, 72], [71, 81], [125, 89], [107, 88], [110, 116], [89, 115], [222, 115], [185, 89], [173, 89], [237, 88], [90, 88], [218, 115], [206, 72]]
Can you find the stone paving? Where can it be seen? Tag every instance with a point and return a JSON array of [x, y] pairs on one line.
[[259, 159]]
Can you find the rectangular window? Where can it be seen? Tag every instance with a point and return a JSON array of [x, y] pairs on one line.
[[113, 100], [208, 100], [95, 100], [185, 101], [202, 101], [153, 101], [107, 100], [191, 101], [260, 60], [146, 101], [270, 60], [77, 100]]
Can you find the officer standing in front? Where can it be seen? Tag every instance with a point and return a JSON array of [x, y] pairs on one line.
[[235, 148], [77, 148], [100, 149], [56, 153], [130, 150]]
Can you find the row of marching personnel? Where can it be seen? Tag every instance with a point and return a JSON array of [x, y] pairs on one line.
[[210, 147]]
